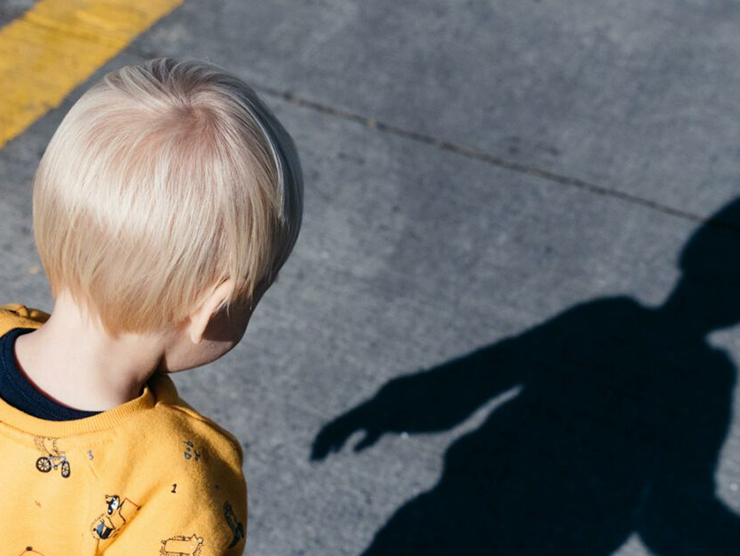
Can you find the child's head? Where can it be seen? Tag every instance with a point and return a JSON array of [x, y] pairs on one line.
[[164, 182]]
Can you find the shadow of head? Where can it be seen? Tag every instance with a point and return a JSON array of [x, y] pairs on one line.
[[709, 289]]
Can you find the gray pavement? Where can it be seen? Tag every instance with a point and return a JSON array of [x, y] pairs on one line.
[[473, 170]]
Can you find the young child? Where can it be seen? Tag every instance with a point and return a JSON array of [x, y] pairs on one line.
[[164, 206]]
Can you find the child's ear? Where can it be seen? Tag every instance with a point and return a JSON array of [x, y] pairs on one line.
[[201, 317]]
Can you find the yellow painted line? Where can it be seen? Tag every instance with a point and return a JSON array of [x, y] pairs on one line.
[[56, 45]]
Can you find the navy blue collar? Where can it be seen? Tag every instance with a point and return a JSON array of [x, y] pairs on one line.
[[18, 391]]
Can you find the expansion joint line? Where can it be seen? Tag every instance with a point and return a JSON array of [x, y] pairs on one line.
[[490, 159]]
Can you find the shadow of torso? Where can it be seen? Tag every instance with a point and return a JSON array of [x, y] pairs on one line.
[[616, 430]]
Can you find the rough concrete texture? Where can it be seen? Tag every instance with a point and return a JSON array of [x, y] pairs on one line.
[[474, 170]]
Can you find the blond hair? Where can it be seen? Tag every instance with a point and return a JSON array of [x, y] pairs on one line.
[[164, 180]]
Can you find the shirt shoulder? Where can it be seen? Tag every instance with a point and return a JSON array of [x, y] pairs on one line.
[[195, 492], [180, 416], [16, 315]]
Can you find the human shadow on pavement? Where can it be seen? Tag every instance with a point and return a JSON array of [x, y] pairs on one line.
[[616, 429]]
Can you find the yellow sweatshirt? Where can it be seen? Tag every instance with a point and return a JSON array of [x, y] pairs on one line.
[[149, 477]]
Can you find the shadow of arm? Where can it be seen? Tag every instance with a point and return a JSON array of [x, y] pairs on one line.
[[428, 401]]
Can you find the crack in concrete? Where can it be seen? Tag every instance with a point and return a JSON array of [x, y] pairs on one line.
[[482, 156]]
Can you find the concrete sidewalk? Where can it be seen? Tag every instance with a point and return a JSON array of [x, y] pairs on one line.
[[473, 170]]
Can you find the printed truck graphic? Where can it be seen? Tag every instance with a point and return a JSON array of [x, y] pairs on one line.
[[118, 512], [182, 546]]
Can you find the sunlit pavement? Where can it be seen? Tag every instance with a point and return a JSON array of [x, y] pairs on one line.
[[473, 169]]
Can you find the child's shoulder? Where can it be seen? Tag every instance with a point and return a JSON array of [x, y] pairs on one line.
[[15, 315], [182, 471], [195, 429]]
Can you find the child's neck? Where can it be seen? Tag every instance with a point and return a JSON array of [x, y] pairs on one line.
[[77, 364]]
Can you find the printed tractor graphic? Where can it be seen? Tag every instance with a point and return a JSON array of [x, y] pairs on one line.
[[182, 546], [53, 458], [109, 524]]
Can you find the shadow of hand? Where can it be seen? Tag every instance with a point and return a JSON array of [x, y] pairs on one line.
[[388, 411], [334, 435]]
